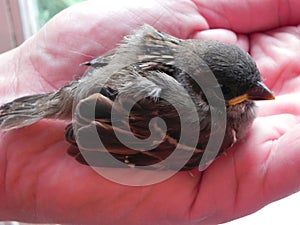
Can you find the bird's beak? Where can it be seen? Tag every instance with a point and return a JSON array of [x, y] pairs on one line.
[[259, 92]]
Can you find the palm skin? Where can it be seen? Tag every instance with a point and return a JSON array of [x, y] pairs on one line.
[[41, 183]]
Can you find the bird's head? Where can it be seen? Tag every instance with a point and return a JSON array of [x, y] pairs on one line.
[[235, 71]]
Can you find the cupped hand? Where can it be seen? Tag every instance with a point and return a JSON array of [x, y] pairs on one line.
[[41, 183]]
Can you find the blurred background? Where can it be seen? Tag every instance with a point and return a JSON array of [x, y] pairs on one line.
[[19, 19]]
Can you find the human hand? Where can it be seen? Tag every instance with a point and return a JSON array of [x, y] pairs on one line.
[[41, 183]]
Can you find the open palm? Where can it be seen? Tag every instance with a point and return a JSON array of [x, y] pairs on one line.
[[41, 183]]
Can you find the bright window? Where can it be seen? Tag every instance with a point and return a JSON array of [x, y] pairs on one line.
[[19, 19]]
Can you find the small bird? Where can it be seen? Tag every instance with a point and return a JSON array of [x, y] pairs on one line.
[[152, 96]]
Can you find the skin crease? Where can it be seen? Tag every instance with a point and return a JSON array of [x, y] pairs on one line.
[[39, 182]]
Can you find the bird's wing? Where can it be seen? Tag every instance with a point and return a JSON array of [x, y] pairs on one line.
[[100, 61], [129, 113], [144, 45]]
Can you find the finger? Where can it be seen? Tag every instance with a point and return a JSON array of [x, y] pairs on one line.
[[224, 35], [241, 16], [284, 104], [277, 53]]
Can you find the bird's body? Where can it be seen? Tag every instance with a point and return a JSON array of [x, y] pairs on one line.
[[152, 75]]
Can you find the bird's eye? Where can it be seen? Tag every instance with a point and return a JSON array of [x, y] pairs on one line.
[[226, 90]]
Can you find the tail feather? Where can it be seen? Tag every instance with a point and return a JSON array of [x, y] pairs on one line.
[[24, 111]]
